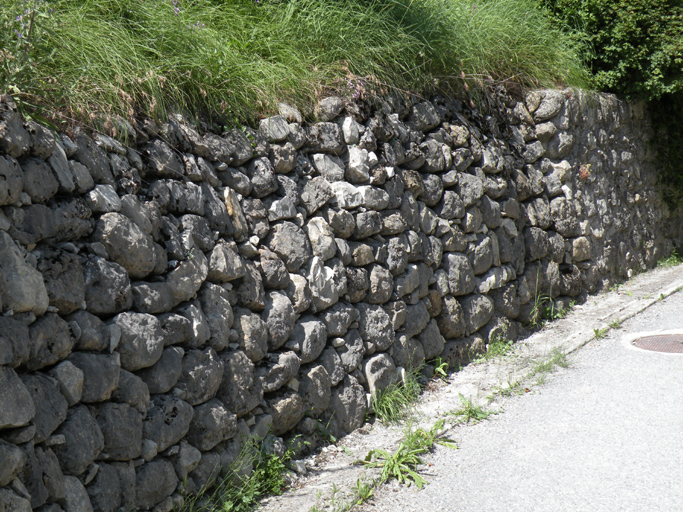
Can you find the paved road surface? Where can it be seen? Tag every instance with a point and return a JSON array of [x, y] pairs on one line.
[[604, 435]]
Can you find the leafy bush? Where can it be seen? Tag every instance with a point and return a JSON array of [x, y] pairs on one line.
[[635, 47]]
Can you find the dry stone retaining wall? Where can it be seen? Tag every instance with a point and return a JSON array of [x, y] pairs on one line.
[[163, 301]]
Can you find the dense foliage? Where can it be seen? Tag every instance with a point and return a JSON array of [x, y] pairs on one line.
[[634, 47]]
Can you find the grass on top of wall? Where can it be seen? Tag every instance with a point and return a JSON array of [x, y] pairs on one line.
[[237, 58]]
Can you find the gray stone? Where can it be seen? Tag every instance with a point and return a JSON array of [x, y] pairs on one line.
[[460, 273], [39, 181], [424, 116], [163, 160], [31, 224], [287, 410], [251, 293], [550, 105], [329, 108], [299, 293], [368, 224], [82, 178], [352, 351], [324, 289], [375, 326], [64, 282], [176, 329], [75, 496], [536, 242], [315, 194], [565, 217], [13, 459], [186, 279], [163, 375], [470, 188], [240, 391], [14, 342], [477, 311], [199, 325], [380, 372], [333, 365], [132, 390], [141, 341], [273, 270], [104, 490], [186, 460], [154, 482], [14, 139], [84, 441], [481, 254], [308, 339], [70, 381], [50, 405], [291, 244], [407, 353], [211, 424], [200, 377], [417, 318], [225, 264], [581, 249], [348, 404], [275, 128], [215, 303], [357, 284], [168, 420], [152, 298], [451, 321], [262, 176], [321, 237], [11, 182], [279, 317], [95, 334], [23, 288], [325, 138], [315, 390], [121, 427], [338, 319], [50, 341], [107, 287], [16, 403], [330, 167], [280, 369], [100, 375], [252, 333], [103, 199], [432, 341]]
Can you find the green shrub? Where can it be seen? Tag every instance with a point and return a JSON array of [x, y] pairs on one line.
[[634, 47]]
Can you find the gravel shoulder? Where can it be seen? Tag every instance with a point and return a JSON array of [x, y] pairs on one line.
[[600, 435]]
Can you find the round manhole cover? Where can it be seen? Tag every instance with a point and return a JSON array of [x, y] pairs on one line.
[[669, 343]]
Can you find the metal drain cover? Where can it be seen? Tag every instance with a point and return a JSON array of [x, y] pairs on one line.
[[669, 343]]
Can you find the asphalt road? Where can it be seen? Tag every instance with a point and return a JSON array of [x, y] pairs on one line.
[[605, 434]]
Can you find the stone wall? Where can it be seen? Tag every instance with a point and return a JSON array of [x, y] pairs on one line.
[[162, 301]]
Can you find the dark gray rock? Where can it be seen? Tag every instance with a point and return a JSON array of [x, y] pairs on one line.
[[240, 391], [26, 290], [14, 460], [84, 441], [368, 224], [316, 193], [279, 317], [451, 321], [315, 390], [477, 311], [251, 293], [69, 380], [176, 329], [168, 420], [417, 318], [121, 427], [215, 302], [536, 242], [352, 351], [481, 254], [72, 219], [460, 273], [132, 390], [163, 160], [163, 375], [200, 326], [381, 285], [287, 410], [126, 244], [154, 482], [252, 333], [432, 341], [211, 424], [50, 341], [64, 282], [333, 365], [152, 298], [201, 375], [141, 341], [14, 139], [280, 369], [325, 138], [308, 339], [107, 287], [186, 279], [75, 496], [380, 372], [95, 334], [14, 342], [225, 264], [31, 224], [50, 405], [299, 292], [100, 375], [357, 284], [94, 159], [39, 181], [338, 318], [348, 404], [12, 181], [262, 176], [273, 270], [290, 243], [104, 490], [407, 353]]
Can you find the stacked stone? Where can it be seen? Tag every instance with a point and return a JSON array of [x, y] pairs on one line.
[[164, 301]]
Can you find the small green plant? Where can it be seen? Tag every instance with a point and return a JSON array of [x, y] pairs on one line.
[[556, 359], [615, 325], [402, 465], [363, 491], [674, 259], [393, 403], [237, 492], [497, 348], [470, 412], [440, 369], [600, 333]]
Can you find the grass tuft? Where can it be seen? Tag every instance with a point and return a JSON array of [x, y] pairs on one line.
[[234, 59]]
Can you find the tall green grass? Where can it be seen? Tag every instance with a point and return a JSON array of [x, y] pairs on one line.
[[238, 58]]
